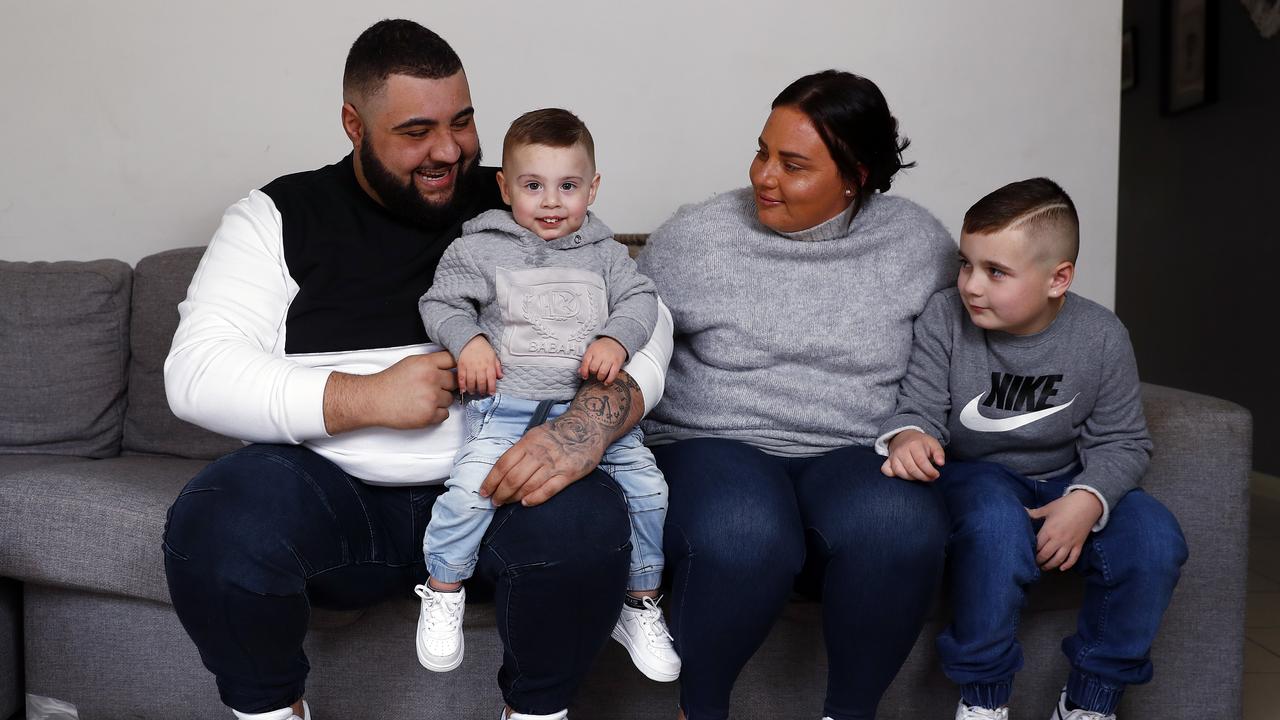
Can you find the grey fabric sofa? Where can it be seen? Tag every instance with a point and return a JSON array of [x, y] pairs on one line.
[[91, 458]]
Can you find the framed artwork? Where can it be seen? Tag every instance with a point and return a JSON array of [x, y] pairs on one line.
[[1129, 60], [1189, 55]]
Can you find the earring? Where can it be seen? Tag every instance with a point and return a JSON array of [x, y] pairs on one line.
[[848, 192]]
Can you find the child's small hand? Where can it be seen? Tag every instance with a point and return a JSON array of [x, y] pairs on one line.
[[914, 455], [478, 367], [604, 357], [1067, 523]]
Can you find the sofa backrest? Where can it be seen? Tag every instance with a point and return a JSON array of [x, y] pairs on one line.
[[64, 350], [159, 283]]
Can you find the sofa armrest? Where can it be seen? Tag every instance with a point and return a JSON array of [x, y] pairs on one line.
[[1201, 462], [1200, 471]]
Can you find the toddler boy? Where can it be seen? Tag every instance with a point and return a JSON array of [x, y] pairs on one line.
[[530, 303], [1034, 392]]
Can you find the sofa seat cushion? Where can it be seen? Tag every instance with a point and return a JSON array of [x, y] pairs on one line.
[[93, 526], [159, 283], [66, 346], [18, 463]]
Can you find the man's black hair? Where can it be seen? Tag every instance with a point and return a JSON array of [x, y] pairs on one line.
[[396, 47]]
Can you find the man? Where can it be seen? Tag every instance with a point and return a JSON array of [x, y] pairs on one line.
[[300, 334]]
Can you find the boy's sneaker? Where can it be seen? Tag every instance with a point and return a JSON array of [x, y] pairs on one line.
[[643, 633], [1062, 713], [440, 628], [973, 712]]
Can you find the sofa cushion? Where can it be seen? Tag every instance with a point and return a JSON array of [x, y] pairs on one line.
[[62, 362], [18, 463], [92, 525], [159, 283]]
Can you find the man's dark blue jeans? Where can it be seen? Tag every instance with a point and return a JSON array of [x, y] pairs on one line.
[[1130, 568], [266, 533]]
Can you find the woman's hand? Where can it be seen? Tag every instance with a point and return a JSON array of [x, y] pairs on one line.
[[914, 455], [478, 367]]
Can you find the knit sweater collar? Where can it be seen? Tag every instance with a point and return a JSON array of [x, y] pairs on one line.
[[833, 229]]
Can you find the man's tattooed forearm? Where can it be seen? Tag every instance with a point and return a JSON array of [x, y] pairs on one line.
[[598, 414], [572, 431], [609, 405]]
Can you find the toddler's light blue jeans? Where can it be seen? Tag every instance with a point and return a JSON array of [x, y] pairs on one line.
[[494, 424]]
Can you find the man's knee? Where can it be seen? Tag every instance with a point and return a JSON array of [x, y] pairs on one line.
[[232, 522], [586, 524]]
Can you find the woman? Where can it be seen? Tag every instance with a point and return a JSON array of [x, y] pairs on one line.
[[793, 303]]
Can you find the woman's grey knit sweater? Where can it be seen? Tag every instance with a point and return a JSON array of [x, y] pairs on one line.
[[794, 342]]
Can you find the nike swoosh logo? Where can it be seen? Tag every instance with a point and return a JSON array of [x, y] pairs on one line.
[[977, 422]]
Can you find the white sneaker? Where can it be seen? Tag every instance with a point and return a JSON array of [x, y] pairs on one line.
[[440, 643], [644, 634], [562, 715], [971, 712], [281, 714], [1061, 712]]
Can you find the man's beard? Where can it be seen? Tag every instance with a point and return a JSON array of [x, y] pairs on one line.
[[405, 202]]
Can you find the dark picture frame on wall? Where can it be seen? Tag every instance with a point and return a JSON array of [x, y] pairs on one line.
[[1188, 55]]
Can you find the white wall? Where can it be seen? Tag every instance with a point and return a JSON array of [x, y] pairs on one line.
[[129, 126]]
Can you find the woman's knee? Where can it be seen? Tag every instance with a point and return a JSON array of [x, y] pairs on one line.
[[731, 510], [741, 549], [906, 519]]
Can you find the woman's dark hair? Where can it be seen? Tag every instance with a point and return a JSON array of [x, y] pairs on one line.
[[852, 118]]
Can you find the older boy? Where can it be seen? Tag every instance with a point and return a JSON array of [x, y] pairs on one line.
[[1036, 390], [561, 301]]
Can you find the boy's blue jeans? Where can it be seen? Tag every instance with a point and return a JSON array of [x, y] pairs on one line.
[[460, 516], [1130, 568]]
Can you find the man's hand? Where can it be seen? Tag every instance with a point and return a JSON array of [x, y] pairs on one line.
[[478, 367], [551, 456], [914, 455], [604, 358], [1067, 523], [413, 393]]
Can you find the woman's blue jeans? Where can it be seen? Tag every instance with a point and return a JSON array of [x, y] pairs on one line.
[[266, 533], [1130, 568], [741, 525]]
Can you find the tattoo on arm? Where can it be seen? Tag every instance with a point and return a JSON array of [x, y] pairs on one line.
[[599, 413]]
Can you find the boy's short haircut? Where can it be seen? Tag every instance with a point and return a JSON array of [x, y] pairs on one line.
[[396, 47], [553, 127], [1039, 206]]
